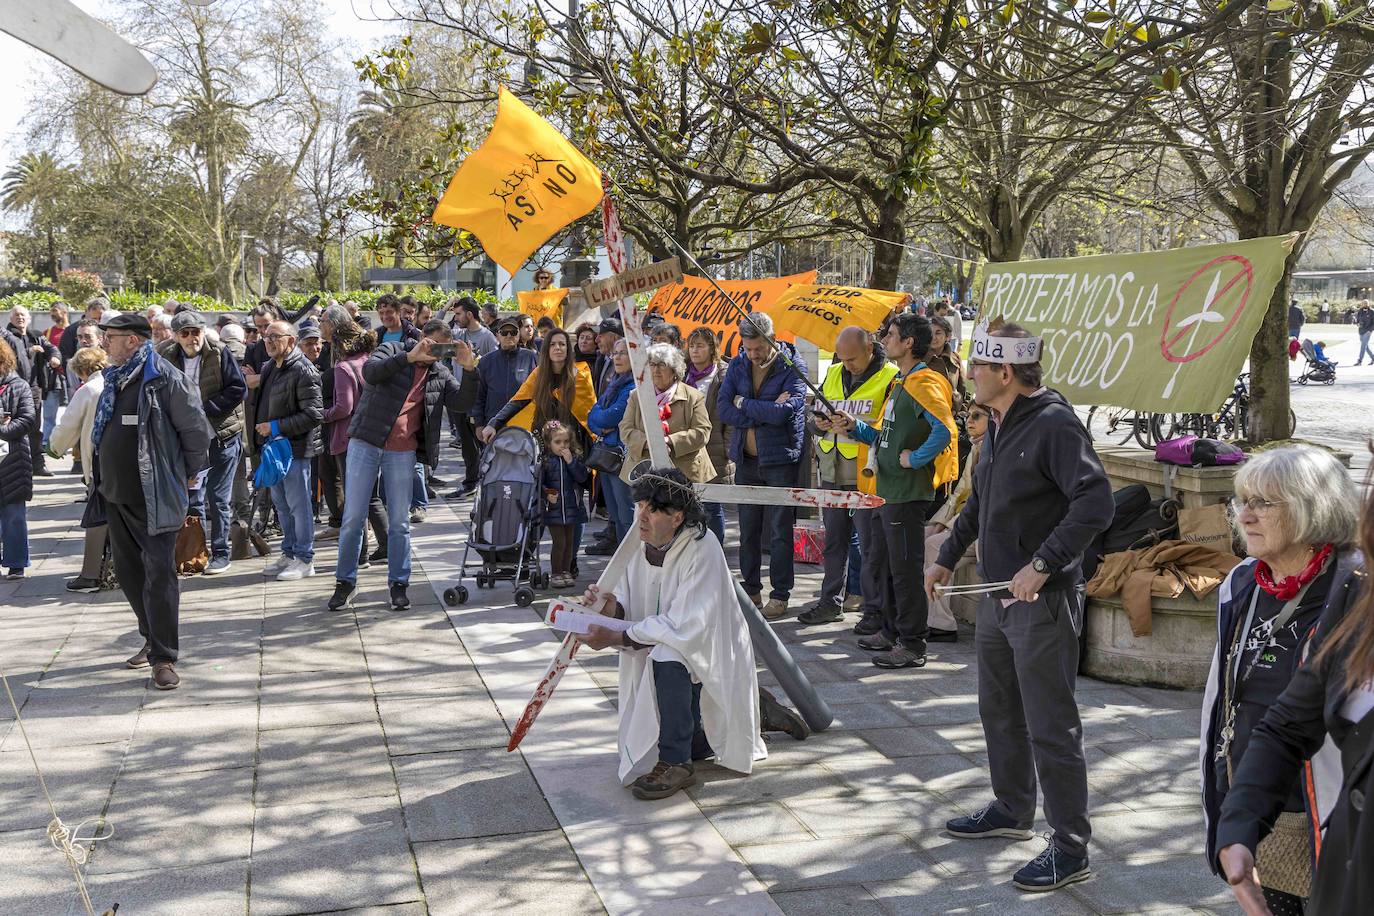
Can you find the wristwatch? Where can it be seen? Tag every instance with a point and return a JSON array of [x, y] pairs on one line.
[[1040, 566]]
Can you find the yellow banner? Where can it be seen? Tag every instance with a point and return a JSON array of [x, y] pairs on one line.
[[540, 302], [522, 185], [695, 303], [819, 313]]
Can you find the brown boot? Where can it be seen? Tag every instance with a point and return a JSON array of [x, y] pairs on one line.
[[140, 658], [165, 676], [663, 780]]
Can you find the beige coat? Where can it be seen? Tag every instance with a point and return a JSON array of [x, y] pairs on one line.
[[689, 429], [77, 422]]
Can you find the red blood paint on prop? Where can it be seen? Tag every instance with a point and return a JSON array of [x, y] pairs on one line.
[[562, 661]]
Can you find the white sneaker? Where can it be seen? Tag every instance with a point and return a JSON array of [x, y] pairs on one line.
[[297, 570], [277, 565]]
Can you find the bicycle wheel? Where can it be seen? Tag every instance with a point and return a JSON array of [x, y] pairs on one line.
[[1149, 429]]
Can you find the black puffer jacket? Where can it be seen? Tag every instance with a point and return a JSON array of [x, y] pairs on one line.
[[290, 396], [40, 364], [388, 376], [17, 416]]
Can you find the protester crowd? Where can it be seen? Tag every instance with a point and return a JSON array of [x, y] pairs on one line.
[[324, 432]]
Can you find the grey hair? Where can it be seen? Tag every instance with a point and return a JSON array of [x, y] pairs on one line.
[[1317, 495], [18, 309], [98, 302], [337, 316], [667, 355], [161, 321], [758, 324]]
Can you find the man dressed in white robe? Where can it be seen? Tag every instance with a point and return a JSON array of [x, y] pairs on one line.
[[688, 690]]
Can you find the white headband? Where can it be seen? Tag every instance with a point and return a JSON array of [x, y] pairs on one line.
[[999, 350]]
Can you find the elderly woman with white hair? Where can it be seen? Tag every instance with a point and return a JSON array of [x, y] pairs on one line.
[[1295, 509], [683, 419]]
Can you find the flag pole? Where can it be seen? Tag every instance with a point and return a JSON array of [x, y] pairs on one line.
[[747, 315]]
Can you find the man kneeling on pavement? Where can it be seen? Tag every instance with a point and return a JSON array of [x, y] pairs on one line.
[[688, 690]]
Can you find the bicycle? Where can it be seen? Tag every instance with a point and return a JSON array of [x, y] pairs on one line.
[[1230, 421], [1108, 422]]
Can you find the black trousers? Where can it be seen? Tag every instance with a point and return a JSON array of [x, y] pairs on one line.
[[896, 554], [680, 738], [147, 570], [472, 449], [36, 434], [331, 482]]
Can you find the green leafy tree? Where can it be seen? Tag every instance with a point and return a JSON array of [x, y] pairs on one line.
[[40, 185]]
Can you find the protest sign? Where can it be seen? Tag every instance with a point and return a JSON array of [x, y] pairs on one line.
[[631, 282], [819, 313], [695, 303], [538, 303], [1160, 331], [523, 184]]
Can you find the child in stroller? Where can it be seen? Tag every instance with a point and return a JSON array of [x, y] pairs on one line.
[[1317, 368]]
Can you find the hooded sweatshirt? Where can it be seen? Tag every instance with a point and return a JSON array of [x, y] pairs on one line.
[[1038, 490]]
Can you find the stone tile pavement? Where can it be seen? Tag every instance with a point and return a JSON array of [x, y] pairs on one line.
[[321, 763]]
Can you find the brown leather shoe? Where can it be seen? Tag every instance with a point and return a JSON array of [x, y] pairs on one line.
[[663, 780], [775, 609], [140, 658], [165, 676]]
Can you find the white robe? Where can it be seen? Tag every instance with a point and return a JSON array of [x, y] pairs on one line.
[[686, 611]]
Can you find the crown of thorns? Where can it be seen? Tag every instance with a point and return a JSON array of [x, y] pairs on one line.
[[688, 491]]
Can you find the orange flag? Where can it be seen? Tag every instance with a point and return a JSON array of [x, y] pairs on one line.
[[819, 313], [540, 302], [522, 185]]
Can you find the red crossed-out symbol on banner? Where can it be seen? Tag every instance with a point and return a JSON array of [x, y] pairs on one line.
[[1191, 325]]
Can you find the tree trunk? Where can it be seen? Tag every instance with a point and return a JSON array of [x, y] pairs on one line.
[[1269, 392], [887, 254], [52, 254]]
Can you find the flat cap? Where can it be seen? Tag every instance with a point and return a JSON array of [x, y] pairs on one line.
[[129, 321], [187, 319], [610, 326]]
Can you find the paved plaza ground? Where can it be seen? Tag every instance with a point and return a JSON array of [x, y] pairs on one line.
[[315, 762]]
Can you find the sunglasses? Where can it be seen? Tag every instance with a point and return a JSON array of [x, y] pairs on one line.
[[507, 332]]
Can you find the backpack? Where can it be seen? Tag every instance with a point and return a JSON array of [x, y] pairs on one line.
[[1137, 521], [1190, 451]]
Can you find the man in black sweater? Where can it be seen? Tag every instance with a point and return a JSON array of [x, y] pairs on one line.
[[1039, 498]]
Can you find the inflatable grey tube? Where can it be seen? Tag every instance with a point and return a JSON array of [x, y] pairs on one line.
[[776, 658]]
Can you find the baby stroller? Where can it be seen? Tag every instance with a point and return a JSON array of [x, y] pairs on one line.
[[505, 525], [1315, 370]]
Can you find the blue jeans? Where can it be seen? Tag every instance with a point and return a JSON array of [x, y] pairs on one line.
[[773, 523], [715, 520], [14, 535], [291, 496], [52, 403], [680, 735], [397, 469], [619, 504], [419, 499], [218, 486], [1364, 348]]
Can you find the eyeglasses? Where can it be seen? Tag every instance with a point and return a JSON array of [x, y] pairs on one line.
[[276, 337], [189, 332], [1256, 504], [508, 332]]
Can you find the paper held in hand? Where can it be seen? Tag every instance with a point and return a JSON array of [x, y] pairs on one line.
[[576, 619]]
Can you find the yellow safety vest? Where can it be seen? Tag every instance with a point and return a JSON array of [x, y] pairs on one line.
[[873, 390]]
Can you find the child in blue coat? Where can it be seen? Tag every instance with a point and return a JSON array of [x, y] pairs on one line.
[[563, 477]]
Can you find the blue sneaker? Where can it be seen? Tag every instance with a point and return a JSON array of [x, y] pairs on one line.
[[985, 824], [1051, 870], [217, 565]]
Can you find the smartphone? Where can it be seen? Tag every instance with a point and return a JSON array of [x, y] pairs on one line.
[[442, 350]]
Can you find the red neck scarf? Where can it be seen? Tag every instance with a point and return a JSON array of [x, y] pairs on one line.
[[1287, 589]]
